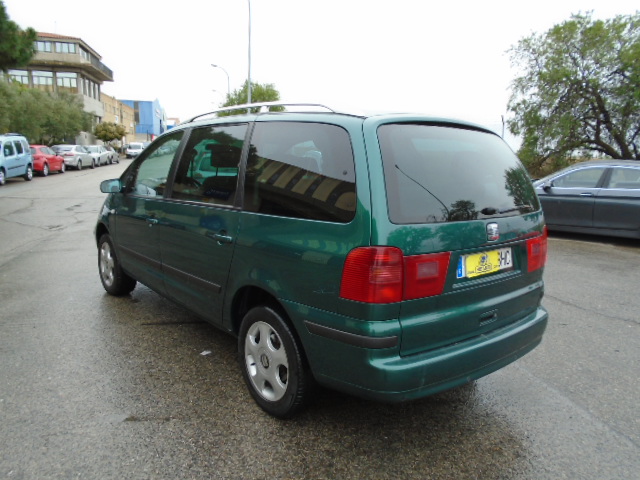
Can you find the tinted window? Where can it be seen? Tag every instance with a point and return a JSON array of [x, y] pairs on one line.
[[447, 174], [149, 174], [302, 170], [208, 170], [583, 178], [625, 177], [19, 148]]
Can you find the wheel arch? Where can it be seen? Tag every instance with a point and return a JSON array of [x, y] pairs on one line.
[[101, 229], [252, 296]]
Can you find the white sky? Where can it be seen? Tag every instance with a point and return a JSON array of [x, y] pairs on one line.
[[444, 58]]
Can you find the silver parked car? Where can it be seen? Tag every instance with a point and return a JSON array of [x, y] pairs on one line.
[[601, 197], [100, 154], [114, 157], [75, 156]]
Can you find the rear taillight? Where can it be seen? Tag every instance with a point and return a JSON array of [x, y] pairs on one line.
[[384, 275], [373, 275], [537, 251]]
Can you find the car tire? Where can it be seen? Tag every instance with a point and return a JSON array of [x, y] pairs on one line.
[[45, 170], [273, 363], [113, 278], [28, 176], [79, 165], [62, 168], [93, 163], [3, 178]]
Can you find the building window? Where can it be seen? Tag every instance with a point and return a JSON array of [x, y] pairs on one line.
[[63, 47], [67, 81], [42, 46], [21, 76], [42, 80], [84, 54]]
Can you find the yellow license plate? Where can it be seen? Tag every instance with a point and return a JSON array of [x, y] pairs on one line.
[[470, 266]]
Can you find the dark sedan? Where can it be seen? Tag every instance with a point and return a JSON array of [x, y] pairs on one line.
[[600, 197]]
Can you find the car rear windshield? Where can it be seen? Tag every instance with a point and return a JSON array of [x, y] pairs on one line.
[[436, 173], [63, 149]]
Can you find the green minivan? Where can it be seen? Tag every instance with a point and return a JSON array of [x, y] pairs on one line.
[[387, 256]]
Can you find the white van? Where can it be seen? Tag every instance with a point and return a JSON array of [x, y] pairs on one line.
[[134, 149]]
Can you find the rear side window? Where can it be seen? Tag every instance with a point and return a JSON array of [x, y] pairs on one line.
[[583, 178], [301, 170], [208, 169], [437, 174], [625, 177]]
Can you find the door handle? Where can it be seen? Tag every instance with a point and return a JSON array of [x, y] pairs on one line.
[[586, 194], [220, 237]]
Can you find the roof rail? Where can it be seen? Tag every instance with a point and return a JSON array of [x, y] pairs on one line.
[[263, 107]]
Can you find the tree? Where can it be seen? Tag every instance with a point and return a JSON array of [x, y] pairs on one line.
[[259, 93], [17, 46], [579, 91], [42, 117], [108, 131]]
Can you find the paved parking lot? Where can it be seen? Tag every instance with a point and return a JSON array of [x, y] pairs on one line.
[[97, 387]]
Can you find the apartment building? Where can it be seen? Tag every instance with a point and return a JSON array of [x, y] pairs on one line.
[[116, 111], [64, 63]]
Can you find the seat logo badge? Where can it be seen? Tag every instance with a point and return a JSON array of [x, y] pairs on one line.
[[493, 233]]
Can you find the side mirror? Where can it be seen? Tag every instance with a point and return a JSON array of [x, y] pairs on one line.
[[547, 186], [111, 186]]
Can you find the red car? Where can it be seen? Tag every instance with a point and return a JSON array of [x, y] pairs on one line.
[[45, 160]]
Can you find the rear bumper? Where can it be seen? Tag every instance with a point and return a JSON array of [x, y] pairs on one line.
[[382, 374]]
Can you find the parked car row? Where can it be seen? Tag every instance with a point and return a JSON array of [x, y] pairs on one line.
[[78, 156], [20, 159]]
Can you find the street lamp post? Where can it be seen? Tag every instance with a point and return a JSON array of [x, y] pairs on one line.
[[249, 75], [228, 83]]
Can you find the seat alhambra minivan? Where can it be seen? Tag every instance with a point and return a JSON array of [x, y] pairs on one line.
[[387, 256]]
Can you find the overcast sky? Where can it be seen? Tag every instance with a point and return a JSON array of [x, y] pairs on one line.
[[443, 58]]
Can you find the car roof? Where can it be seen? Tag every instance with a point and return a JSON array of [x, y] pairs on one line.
[[306, 112]]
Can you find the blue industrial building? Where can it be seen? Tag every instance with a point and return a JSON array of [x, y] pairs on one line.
[[149, 117]]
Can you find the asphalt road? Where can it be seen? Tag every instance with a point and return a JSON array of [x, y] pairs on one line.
[[96, 387]]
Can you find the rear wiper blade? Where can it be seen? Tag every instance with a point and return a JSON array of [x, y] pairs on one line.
[[526, 207], [494, 211]]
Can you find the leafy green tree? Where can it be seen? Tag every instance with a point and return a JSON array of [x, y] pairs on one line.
[[17, 46], [108, 131], [259, 93], [579, 91], [42, 117]]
